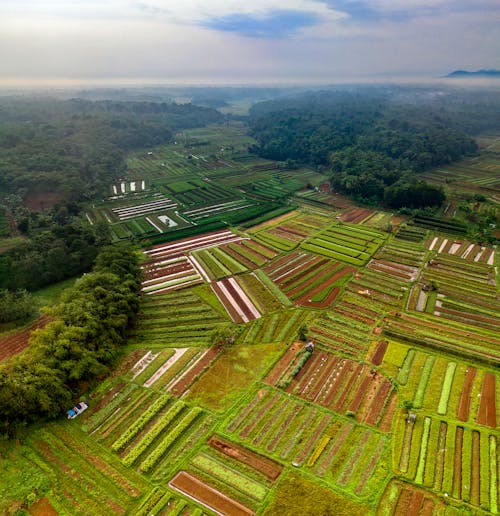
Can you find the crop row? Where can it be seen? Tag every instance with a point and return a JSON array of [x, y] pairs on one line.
[[451, 459], [339, 451], [281, 326]]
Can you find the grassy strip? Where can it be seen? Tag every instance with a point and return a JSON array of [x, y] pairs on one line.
[[493, 475], [162, 423], [261, 275], [140, 423], [419, 476], [424, 379], [447, 384], [169, 439], [229, 476], [404, 372]]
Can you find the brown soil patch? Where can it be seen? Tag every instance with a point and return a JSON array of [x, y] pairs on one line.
[[464, 404], [184, 382], [14, 343], [235, 316], [282, 364], [42, 507], [207, 495], [487, 413], [379, 352], [39, 201], [267, 467], [239, 301]]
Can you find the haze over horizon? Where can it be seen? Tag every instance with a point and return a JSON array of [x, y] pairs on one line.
[[56, 42]]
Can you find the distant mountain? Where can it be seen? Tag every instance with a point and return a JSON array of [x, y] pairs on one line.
[[478, 73]]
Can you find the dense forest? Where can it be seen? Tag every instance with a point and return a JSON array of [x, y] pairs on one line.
[[78, 147], [90, 324], [372, 147]]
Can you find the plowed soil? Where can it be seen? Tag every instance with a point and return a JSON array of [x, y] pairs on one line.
[[207, 495], [487, 413], [267, 467]]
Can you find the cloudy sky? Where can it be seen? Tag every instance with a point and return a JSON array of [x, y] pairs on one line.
[[243, 41]]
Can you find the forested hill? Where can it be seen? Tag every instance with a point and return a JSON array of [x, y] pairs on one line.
[[373, 148], [77, 147]]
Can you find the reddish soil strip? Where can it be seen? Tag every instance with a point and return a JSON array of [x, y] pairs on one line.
[[457, 464], [257, 417], [440, 456], [464, 404], [239, 257], [361, 393], [235, 316], [339, 441], [475, 474], [184, 382], [236, 296], [319, 274], [368, 470], [487, 413], [356, 317], [353, 459], [296, 274], [280, 431], [287, 258], [385, 423], [377, 405], [427, 508], [282, 364], [244, 413], [269, 423], [301, 377], [321, 383], [358, 372], [293, 231], [308, 447], [314, 370], [14, 343], [379, 352], [42, 507], [207, 495], [267, 467], [404, 501], [416, 503]]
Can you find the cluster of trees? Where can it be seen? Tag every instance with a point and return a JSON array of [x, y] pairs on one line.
[[90, 325], [78, 147], [16, 305], [368, 144], [61, 245]]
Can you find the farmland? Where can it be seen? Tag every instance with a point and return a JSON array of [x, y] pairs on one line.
[[216, 405]]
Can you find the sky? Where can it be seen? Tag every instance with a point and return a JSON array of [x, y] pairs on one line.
[[243, 41]]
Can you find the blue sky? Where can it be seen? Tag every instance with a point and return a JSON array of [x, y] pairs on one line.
[[242, 41]]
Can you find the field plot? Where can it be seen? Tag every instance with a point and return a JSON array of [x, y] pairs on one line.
[[309, 280], [450, 337], [382, 290], [85, 479], [410, 233], [180, 318], [279, 327], [405, 253], [356, 215], [235, 300], [449, 458], [398, 270], [235, 471], [148, 431], [346, 242], [402, 498], [339, 451], [13, 343], [446, 387], [462, 249], [249, 253], [465, 292], [277, 239], [347, 328], [338, 384]]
